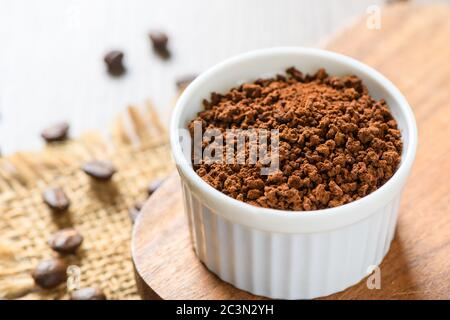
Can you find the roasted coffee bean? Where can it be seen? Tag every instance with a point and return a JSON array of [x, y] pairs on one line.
[[56, 132], [114, 63], [100, 170], [88, 293], [65, 241], [50, 273], [56, 199], [159, 42], [155, 184], [184, 81]]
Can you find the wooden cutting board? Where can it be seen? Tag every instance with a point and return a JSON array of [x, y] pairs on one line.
[[412, 48]]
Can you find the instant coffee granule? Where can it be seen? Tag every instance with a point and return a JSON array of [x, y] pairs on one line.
[[336, 143]]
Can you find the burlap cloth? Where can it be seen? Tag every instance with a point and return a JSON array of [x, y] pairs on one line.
[[137, 144]]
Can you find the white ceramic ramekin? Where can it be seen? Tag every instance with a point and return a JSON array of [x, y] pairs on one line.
[[286, 254]]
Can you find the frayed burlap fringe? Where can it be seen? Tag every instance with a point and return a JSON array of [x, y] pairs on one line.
[[137, 144]]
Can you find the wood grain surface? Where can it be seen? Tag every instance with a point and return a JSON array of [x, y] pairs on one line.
[[163, 254], [412, 49]]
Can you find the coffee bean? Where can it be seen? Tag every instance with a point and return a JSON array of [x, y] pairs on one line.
[[88, 293], [50, 273], [114, 63], [159, 41], [184, 81], [154, 185], [56, 132], [56, 199], [65, 241], [100, 170]]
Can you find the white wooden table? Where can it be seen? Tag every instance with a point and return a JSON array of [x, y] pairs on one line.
[[51, 52]]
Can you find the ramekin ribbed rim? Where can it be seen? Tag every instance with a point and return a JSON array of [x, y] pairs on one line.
[[338, 216]]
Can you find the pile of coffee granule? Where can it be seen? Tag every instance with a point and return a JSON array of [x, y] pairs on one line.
[[337, 144]]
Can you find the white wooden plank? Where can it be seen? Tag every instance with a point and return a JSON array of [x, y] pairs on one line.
[[51, 52]]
